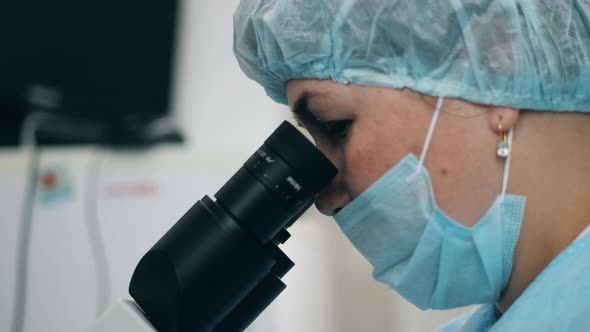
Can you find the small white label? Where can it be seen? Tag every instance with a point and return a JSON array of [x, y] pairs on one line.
[[294, 183]]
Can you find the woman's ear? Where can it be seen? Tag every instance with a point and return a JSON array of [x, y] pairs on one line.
[[502, 119]]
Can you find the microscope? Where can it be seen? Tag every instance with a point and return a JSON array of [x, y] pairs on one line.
[[220, 266]]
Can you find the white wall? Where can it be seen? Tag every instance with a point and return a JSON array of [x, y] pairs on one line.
[[218, 106]]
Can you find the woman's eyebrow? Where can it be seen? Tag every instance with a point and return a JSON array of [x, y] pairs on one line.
[[302, 111]]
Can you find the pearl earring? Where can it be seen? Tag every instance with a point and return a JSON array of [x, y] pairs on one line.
[[503, 149]]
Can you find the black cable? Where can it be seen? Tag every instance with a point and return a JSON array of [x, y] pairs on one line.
[[95, 237]]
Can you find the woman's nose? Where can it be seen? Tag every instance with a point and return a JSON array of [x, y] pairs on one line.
[[333, 198]]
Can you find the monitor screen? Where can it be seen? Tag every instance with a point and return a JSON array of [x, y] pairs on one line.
[[107, 61]]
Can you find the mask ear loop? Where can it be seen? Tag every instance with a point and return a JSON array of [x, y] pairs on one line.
[[428, 137], [507, 165]]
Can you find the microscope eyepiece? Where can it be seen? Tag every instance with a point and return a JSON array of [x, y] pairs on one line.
[[278, 182], [313, 169]]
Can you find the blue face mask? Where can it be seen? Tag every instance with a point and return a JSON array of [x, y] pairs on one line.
[[427, 257]]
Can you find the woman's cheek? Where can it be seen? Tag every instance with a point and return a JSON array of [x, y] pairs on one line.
[[366, 161], [358, 171]]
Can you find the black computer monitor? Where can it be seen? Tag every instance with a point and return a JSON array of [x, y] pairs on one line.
[[107, 62]]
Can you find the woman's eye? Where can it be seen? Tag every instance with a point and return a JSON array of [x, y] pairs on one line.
[[337, 130]]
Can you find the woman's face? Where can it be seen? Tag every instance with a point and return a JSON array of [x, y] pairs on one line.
[[365, 131]]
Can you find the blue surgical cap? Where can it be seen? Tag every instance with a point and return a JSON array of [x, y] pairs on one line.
[[526, 54]]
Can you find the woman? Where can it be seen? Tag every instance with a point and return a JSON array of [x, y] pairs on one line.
[[460, 132]]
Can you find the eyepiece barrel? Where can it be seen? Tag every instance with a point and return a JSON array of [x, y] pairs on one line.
[[219, 266]]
